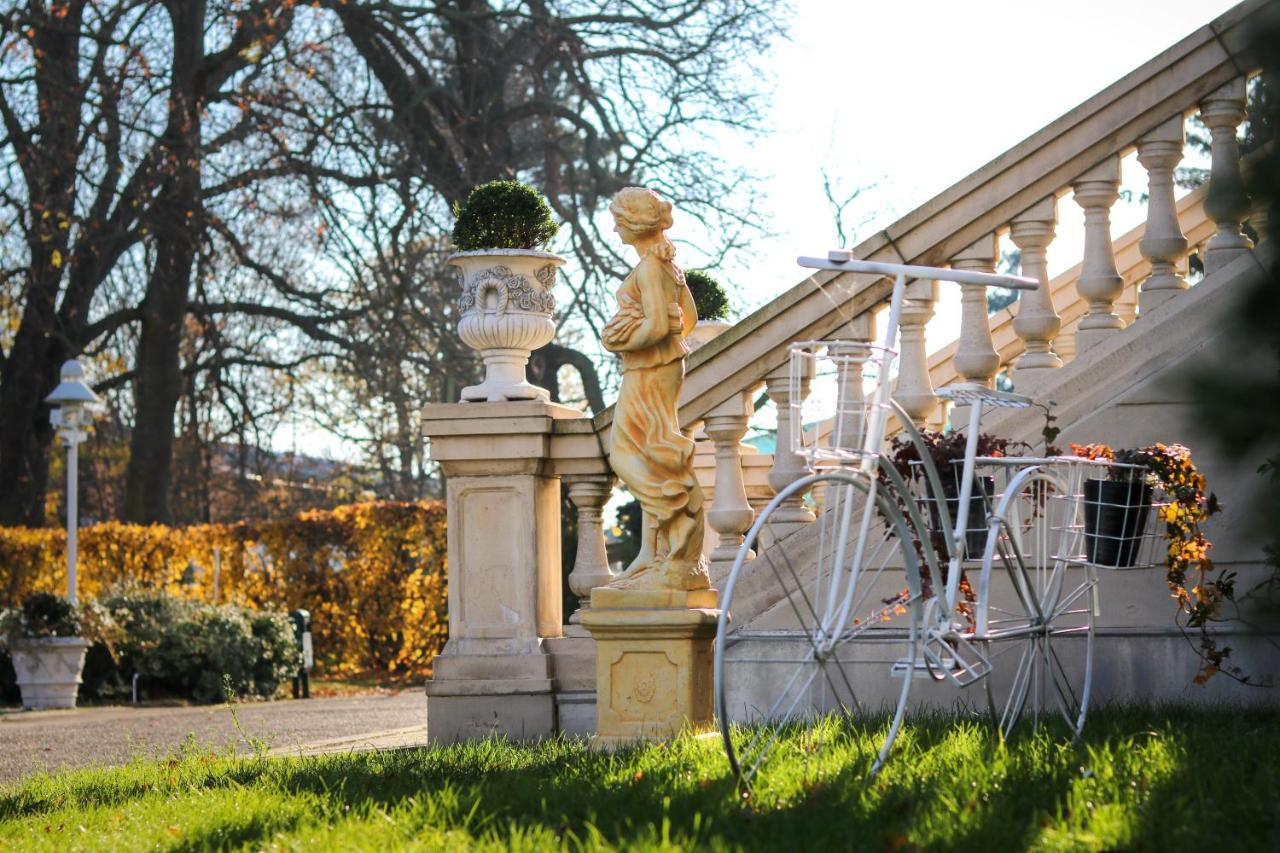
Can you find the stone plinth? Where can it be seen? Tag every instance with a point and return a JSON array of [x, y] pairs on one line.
[[494, 675], [653, 663]]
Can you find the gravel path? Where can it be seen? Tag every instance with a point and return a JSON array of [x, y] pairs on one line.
[[31, 741]]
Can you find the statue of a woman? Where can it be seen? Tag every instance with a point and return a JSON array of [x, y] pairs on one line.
[[646, 448]]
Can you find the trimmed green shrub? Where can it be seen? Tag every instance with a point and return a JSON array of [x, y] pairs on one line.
[[503, 215], [708, 294], [184, 648], [43, 614]]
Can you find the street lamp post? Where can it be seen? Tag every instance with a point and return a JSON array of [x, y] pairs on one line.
[[74, 406]]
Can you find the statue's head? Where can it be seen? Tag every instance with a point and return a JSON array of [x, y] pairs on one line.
[[639, 212]]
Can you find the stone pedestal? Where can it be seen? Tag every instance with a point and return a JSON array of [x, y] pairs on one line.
[[494, 675], [653, 663]]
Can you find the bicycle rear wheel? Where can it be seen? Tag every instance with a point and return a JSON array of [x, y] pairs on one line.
[[830, 628]]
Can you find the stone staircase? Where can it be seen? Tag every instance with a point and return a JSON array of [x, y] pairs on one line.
[[1102, 340]]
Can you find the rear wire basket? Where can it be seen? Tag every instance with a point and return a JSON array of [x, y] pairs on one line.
[[830, 424]]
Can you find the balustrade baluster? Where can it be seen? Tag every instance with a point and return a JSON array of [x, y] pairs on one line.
[[976, 358], [1163, 244], [730, 515], [589, 493], [914, 389], [1037, 323], [849, 419], [1227, 203], [788, 466], [1100, 282]]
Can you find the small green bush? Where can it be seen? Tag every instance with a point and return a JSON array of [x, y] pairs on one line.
[[708, 294], [503, 215], [183, 648], [43, 615]]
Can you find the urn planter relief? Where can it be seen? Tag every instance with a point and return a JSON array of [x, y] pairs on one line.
[[506, 311]]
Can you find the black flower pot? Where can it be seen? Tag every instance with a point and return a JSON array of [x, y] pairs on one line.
[[1115, 516], [975, 525]]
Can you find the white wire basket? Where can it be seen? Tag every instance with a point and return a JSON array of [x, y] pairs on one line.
[[835, 419], [1104, 515]]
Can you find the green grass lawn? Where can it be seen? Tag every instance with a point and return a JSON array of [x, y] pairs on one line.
[[1148, 780]]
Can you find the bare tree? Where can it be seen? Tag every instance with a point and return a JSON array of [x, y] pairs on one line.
[[579, 98], [223, 201]]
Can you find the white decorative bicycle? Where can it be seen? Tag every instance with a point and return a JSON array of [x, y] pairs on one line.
[[874, 595]]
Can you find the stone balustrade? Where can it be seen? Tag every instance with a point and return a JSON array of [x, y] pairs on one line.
[[1115, 283]]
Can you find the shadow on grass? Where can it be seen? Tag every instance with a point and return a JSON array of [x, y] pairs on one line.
[[1241, 747]]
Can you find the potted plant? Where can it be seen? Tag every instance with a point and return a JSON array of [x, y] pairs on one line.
[[946, 451], [506, 305], [1115, 506], [713, 307], [47, 637], [1187, 504]]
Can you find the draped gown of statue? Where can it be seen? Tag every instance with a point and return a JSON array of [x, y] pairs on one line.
[[647, 450]]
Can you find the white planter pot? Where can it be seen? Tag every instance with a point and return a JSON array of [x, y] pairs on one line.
[[705, 331], [48, 671], [506, 310]]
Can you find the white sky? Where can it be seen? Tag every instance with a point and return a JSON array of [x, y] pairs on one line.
[[912, 96]]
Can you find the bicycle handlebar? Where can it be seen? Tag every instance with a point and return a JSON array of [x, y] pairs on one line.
[[842, 260]]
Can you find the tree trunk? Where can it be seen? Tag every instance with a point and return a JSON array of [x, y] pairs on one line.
[[30, 370], [176, 225]]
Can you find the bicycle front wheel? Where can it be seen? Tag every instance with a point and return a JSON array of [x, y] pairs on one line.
[[1037, 608], [821, 624]]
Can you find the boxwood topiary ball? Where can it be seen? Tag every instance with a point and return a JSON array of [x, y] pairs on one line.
[[708, 294], [503, 215]]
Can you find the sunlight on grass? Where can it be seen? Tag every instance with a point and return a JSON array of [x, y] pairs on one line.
[[1137, 780]]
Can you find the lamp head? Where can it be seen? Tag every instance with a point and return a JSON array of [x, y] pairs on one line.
[[72, 394]]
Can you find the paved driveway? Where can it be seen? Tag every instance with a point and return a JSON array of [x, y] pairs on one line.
[[49, 740]]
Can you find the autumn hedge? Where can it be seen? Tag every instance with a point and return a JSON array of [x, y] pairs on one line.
[[372, 574]]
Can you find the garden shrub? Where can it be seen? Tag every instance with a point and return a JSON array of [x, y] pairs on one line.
[[503, 215], [708, 295], [372, 574], [187, 648]]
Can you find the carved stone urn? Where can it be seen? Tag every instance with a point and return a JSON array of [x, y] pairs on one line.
[[706, 331], [48, 670], [506, 311]]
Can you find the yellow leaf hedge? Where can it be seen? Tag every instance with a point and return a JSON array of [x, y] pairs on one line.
[[372, 574]]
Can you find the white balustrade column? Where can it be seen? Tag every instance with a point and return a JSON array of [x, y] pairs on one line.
[[730, 515], [1163, 244], [976, 358], [1100, 282], [1227, 203], [850, 418], [788, 466], [1037, 323], [589, 493], [914, 390]]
